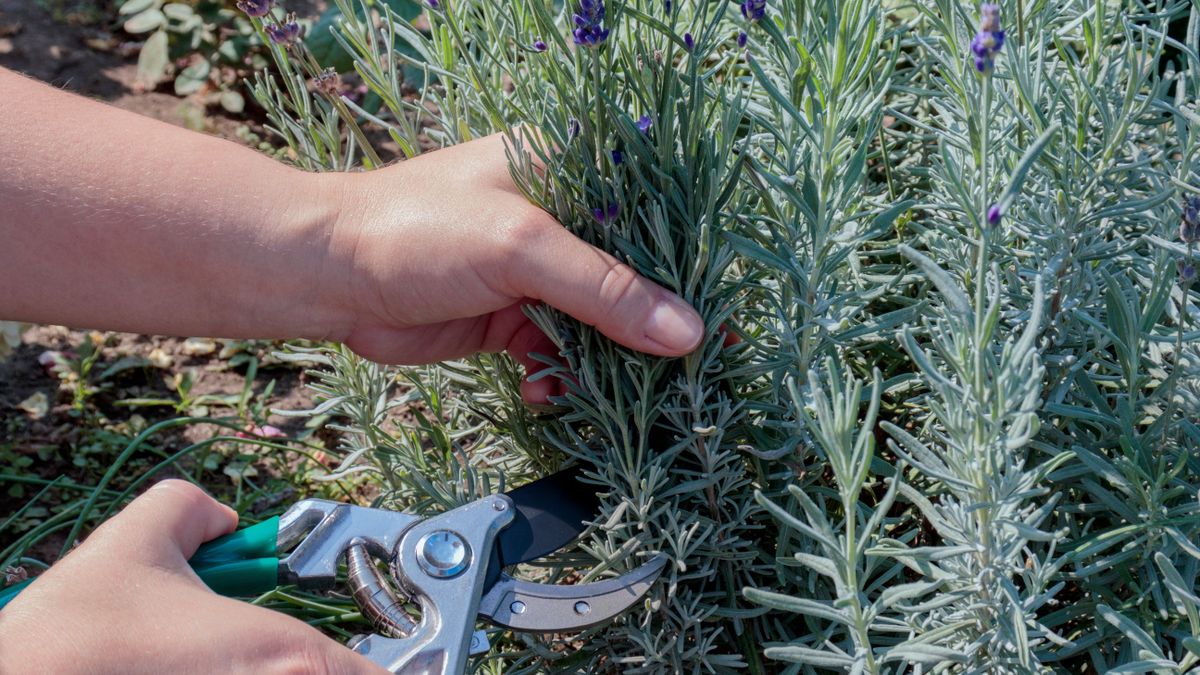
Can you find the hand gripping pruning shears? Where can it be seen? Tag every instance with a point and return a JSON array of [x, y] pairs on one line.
[[451, 565]]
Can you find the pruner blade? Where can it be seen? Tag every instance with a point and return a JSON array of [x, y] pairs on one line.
[[551, 608]]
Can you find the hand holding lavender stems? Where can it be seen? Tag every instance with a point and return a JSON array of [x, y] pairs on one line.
[[435, 305]]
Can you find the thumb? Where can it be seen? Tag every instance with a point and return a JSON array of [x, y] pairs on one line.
[[562, 270], [174, 515]]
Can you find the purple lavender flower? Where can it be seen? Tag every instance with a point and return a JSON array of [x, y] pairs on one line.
[[644, 123], [689, 41], [618, 157], [1189, 225], [667, 6], [572, 129], [993, 215], [754, 10], [286, 33], [742, 37], [539, 45], [1187, 272], [589, 24], [989, 40], [258, 8], [434, 4], [606, 215]]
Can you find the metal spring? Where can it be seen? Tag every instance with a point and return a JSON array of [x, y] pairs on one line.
[[374, 595]]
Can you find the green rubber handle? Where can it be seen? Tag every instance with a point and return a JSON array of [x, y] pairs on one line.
[[7, 594], [240, 563], [241, 577], [256, 541]]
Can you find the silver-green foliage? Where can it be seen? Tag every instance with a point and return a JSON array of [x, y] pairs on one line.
[[996, 254]]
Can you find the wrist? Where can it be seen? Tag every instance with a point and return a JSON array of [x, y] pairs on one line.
[[347, 285], [313, 229]]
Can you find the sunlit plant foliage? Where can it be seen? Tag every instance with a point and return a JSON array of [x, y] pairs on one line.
[[957, 429]]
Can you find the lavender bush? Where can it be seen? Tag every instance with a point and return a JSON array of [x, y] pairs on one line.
[[956, 431]]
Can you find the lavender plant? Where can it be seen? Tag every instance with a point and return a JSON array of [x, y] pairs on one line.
[[955, 243]]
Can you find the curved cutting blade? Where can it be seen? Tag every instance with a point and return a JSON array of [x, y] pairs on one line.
[[551, 512], [550, 608]]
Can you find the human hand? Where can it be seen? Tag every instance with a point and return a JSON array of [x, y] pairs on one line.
[[190, 235], [441, 251], [127, 602]]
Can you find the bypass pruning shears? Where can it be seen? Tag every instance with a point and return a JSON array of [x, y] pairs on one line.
[[451, 565]]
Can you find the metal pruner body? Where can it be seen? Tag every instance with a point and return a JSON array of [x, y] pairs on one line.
[[442, 564]]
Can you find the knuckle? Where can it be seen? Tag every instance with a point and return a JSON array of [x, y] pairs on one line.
[[182, 491], [521, 233], [618, 287]]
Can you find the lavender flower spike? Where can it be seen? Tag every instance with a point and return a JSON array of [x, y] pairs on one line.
[[285, 33], [753, 10], [689, 41], [1189, 225], [993, 215], [989, 40], [741, 38], [644, 123], [1187, 272], [589, 24], [606, 215], [256, 8], [539, 45]]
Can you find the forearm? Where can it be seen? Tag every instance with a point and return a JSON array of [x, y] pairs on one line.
[[110, 220]]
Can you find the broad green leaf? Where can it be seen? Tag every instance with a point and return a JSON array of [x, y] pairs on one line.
[[193, 78], [136, 6], [178, 11], [145, 22], [325, 47], [232, 101], [153, 60]]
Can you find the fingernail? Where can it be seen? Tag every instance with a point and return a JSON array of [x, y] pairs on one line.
[[675, 325]]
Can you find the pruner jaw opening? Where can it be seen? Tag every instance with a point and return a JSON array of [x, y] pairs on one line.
[[550, 608]]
